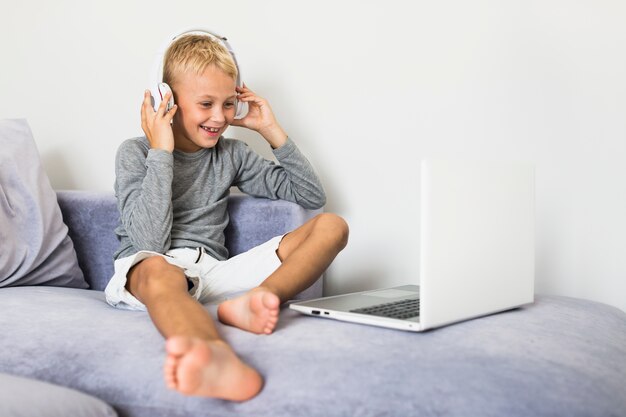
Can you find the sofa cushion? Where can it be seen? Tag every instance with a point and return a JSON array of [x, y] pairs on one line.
[[24, 397], [558, 357], [35, 248]]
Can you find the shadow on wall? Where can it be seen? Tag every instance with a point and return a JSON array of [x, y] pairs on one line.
[[334, 202], [56, 165], [359, 279]]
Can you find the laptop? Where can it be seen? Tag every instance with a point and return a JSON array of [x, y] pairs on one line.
[[477, 254]]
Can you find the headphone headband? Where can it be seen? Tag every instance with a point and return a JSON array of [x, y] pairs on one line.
[[157, 72], [221, 39]]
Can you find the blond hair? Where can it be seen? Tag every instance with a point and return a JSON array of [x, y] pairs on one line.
[[194, 53]]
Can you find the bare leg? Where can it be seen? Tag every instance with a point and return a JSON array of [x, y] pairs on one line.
[[305, 254], [198, 361]]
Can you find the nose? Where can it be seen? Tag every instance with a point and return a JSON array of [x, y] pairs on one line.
[[217, 114]]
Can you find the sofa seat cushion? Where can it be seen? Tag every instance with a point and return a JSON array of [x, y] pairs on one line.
[[557, 357], [25, 397]]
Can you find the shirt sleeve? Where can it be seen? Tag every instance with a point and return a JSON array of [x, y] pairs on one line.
[[143, 187], [293, 180]]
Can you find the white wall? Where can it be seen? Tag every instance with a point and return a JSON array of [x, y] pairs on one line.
[[366, 89]]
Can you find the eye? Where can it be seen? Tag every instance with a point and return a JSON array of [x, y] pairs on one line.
[[206, 104], [229, 104]]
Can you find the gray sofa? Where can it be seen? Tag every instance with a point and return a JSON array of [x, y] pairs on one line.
[[558, 357]]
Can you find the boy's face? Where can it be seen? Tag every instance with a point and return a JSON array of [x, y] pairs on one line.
[[206, 106]]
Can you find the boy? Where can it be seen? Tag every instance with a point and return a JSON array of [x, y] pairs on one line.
[[172, 188]]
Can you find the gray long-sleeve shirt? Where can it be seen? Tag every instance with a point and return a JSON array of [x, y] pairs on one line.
[[173, 200]]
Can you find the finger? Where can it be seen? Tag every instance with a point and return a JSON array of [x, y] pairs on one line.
[[237, 122], [243, 88], [253, 100], [147, 99], [170, 114], [146, 102], [248, 97], [147, 108], [163, 105]]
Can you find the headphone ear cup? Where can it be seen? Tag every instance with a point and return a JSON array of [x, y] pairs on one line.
[[239, 108], [164, 89], [242, 110], [155, 98]]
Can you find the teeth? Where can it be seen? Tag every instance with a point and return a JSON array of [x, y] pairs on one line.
[[210, 129]]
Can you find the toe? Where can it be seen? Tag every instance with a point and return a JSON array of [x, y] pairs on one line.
[[169, 371]]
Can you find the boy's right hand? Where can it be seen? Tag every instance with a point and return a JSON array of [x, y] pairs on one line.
[[157, 125]]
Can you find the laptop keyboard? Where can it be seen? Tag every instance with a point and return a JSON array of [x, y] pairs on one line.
[[403, 309]]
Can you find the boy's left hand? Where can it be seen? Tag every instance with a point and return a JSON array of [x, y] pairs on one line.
[[260, 118]]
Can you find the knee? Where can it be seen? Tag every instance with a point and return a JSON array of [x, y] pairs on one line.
[[154, 275], [335, 227]]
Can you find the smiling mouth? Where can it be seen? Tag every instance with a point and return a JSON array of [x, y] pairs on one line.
[[210, 129]]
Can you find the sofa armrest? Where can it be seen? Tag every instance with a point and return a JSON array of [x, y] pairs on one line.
[[93, 216]]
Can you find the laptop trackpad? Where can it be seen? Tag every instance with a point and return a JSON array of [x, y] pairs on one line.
[[391, 293]]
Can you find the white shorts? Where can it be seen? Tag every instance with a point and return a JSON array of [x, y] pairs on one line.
[[210, 280]]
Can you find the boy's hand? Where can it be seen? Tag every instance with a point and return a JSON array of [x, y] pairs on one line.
[[157, 124], [260, 118]]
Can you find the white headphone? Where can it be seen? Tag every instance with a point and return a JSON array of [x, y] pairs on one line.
[[158, 88]]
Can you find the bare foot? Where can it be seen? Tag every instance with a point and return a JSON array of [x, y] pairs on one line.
[[208, 369], [256, 311]]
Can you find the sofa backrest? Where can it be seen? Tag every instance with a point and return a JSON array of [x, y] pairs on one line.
[[93, 216]]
